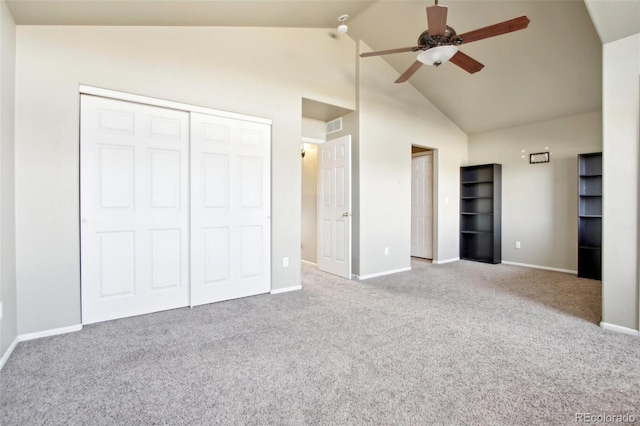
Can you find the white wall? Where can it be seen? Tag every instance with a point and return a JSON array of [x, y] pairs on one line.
[[621, 129], [8, 324], [392, 118], [539, 201], [314, 129], [211, 67]]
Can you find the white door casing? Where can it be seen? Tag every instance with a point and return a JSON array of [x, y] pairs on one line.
[[139, 165], [422, 206], [230, 208], [134, 209], [334, 206]]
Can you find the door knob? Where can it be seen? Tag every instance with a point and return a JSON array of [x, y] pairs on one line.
[[346, 214]]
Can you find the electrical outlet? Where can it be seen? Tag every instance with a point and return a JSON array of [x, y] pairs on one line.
[[386, 251], [517, 244], [285, 262]]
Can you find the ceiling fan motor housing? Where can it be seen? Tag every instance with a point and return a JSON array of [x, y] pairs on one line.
[[450, 38]]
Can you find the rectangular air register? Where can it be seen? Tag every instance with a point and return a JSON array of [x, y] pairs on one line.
[[334, 125]]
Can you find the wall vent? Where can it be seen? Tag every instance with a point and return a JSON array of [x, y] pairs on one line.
[[334, 125]]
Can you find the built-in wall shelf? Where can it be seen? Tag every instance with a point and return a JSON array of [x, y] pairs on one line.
[[590, 215], [480, 213]]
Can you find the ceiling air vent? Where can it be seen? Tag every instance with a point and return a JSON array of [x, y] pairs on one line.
[[334, 125]]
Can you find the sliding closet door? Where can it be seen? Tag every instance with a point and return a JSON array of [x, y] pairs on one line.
[[230, 208], [134, 209]]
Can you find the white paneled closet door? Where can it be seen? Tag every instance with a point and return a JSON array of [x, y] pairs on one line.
[[134, 208], [230, 208]]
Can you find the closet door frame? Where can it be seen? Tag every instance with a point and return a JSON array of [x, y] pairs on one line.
[[144, 100], [122, 96]]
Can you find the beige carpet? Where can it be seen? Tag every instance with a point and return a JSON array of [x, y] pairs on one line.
[[460, 343]]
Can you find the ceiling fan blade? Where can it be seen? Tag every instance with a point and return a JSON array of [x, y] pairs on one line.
[[495, 30], [409, 72], [387, 52], [467, 63], [437, 20]]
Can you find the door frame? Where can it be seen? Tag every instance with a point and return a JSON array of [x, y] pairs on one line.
[[434, 231], [123, 96], [145, 100]]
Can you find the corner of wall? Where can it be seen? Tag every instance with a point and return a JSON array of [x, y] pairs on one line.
[[8, 288], [621, 150]]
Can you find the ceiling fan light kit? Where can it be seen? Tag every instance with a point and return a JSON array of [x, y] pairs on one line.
[[439, 43], [342, 28], [438, 55]]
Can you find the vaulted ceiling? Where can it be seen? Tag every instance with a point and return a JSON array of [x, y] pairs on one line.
[[550, 70]]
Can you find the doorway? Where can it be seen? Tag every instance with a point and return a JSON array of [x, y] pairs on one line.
[[326, 205], [326, 154], [422, 205]]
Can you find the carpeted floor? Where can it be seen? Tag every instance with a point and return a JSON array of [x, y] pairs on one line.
[[460, 343]]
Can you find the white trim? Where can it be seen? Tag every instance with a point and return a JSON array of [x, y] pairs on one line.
[[113, 94], [47, 333], [421, 154], [7, 354], [440, 262], [380, 274], [308, 263], [306, 139], [546, 268], [619, 329], [286, 289], [37, 335]]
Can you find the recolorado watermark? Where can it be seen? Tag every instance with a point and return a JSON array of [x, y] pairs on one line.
[[592, 418]]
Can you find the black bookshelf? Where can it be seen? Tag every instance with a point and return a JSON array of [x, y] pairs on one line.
[[590, 215], [480, 213]]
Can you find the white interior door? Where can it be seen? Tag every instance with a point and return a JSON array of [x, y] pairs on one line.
[[422, 206], [334, 206], [230, 208], [133, 209]]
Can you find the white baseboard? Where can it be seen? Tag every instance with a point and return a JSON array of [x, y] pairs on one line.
[[619, 329], [440, 262], [546, 268], [308, 262], [47, 333], [7, 354], [37, 335], [286, 289], [380, 274]]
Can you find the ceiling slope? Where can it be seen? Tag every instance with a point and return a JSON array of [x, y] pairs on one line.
[[615, 19], [238, 13], [551, 69]]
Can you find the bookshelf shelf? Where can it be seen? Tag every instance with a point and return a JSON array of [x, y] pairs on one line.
[[480, 213], [590, 215]]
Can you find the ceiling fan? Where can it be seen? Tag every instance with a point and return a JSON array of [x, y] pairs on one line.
[[439, 43]]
